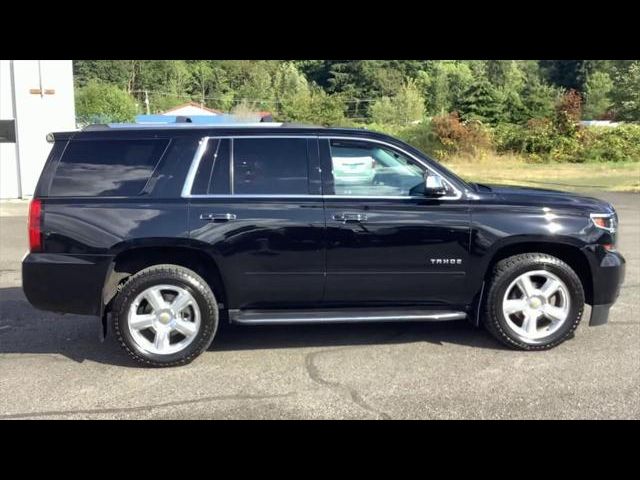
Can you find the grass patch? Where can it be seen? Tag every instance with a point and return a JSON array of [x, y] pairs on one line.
[[514, 170]]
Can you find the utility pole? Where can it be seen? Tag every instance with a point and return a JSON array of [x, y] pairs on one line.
[[146, 100]]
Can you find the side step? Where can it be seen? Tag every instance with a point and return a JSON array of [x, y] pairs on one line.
[[291, 317]]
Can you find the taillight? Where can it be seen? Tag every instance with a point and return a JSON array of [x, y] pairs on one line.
[[35, 225]]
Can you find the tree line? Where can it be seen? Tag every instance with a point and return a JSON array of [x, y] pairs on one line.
[[386, 92]]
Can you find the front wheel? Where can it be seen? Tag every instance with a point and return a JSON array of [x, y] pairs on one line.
[[535, 301], [165, 315]]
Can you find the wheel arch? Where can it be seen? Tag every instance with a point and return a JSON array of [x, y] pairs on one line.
[[129, 261], [569, 253]]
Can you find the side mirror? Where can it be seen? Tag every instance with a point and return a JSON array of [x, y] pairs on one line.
[[434, 186]]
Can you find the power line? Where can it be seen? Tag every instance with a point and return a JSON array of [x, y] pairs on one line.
[[242, 99]]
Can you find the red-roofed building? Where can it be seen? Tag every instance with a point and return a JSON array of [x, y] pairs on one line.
[[190, 109]]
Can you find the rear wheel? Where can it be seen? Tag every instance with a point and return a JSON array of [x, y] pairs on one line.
[[535, 301], [165, 315]]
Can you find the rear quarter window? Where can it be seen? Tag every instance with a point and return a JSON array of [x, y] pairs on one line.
[[106, 167]]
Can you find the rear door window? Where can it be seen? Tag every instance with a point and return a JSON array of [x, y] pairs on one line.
[[270, 166], [106, 167]]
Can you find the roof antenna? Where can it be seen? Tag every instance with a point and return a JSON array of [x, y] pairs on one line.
[[183, 120]]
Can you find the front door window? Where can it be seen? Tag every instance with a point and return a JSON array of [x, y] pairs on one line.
[[363, 168]]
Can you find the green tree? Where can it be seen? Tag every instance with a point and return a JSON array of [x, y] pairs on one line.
[[405, 107], [325, 109], [538, 100], [117, 72], [444, 83], [626, 93], [597, 90], [202, 73], [161, 102], [251, 81], [482, 102], [568, 74], [98, 102], [505, 74], [292, 93]]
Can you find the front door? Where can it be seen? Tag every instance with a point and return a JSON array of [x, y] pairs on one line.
[[387, 245], [255, 205]]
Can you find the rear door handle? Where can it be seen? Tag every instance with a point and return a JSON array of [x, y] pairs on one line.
[[350, 217], [218, 217]]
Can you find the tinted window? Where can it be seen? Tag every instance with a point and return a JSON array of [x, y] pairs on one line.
[[106, 167], [370, 169], [277, 166], [213, 175]]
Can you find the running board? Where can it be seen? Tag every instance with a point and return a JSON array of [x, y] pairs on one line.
[[291, 317]]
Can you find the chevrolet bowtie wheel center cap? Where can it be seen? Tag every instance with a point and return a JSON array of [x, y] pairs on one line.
[[535, 302], [165, 317]]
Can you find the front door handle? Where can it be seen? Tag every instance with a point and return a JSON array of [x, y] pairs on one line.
[[218, 217], [350, 217]]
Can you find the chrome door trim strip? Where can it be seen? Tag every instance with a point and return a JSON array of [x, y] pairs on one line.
[[236, 317], [202, 147]]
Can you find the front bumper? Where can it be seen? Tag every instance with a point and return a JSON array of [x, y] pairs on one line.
[[607, 273]]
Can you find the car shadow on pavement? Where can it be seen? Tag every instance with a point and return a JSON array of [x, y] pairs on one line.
[[28, 331], [460, 332]]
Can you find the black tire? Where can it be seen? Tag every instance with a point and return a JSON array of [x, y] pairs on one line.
[[172, 275], [505, 272]]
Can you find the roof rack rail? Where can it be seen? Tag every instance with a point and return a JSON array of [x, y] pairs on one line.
[[299, 125], [185, 122]]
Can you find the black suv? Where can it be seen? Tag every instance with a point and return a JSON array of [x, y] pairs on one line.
[[164, 230]]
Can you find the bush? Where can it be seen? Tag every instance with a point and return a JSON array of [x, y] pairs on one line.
[[619, 144], [539, 140], [422, 137], [536, 137], [568, 113], [542, 141], [456, 136], [103, 103]]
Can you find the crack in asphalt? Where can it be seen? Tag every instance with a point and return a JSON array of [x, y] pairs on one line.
[[51, 413], [354, 395], [314, 373]]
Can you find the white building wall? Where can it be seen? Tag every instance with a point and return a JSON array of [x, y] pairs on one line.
[[36, 115], [8, 161]]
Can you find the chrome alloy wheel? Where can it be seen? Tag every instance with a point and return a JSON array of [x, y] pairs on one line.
[[164, 319], [536, 304]]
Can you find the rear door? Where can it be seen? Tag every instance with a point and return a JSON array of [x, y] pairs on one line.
[[386, 244], [255, 205]]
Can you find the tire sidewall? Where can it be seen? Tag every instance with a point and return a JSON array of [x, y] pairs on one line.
[[208, 316], [575, 291]]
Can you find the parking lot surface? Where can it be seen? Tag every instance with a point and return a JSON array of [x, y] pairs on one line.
[[53, 366]]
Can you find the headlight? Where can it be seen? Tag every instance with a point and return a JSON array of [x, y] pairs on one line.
[[605, 221], [609, 223]]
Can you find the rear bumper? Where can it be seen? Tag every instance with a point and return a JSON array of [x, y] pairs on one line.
[[607, 272], [65, 283]]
